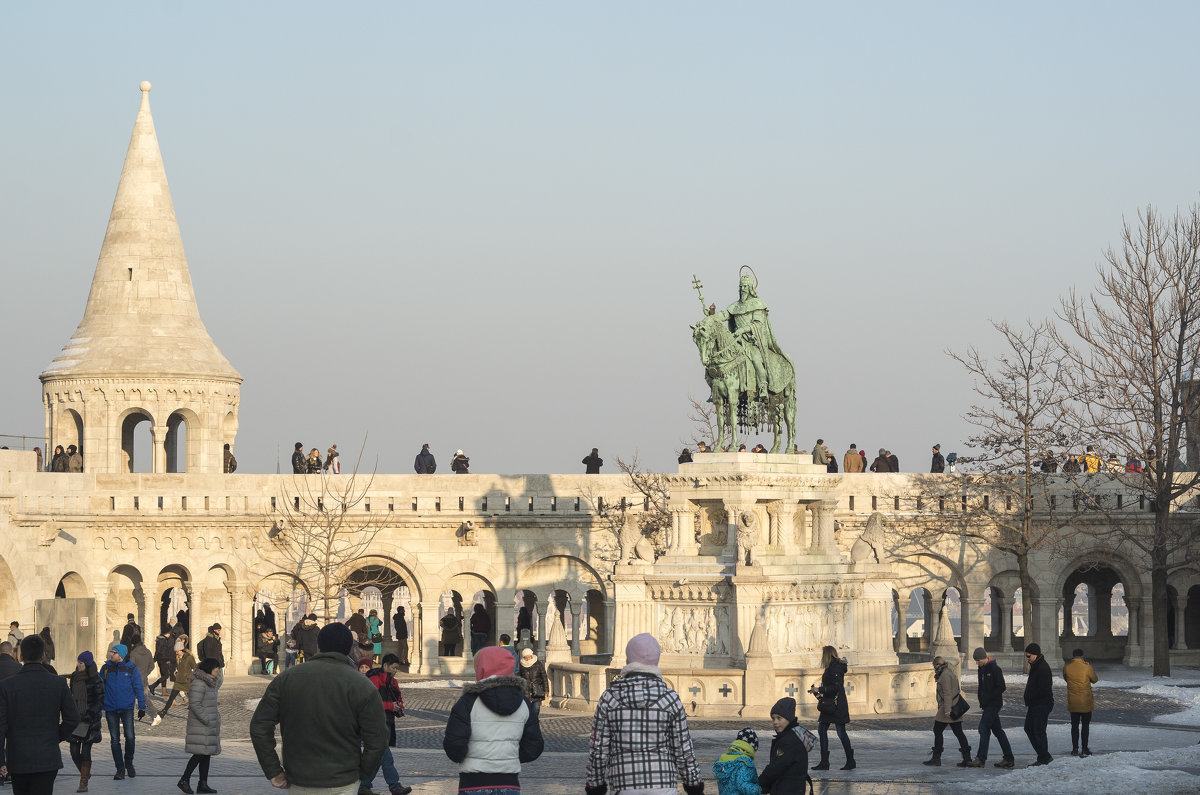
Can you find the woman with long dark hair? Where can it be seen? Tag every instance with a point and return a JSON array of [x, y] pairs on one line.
[[203, 725], [831, 704]]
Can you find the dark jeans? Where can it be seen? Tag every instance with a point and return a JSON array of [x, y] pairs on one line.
[[823, 733], [80, 752], [166, 670], [33, 783], [939, 729], [478, 641], [989, 724], [176, 691], [448, 649], [121, 719], [1036, 718], [1076, 718]]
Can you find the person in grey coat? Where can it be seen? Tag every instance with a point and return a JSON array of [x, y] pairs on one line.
[[203, 725], [947, 690]]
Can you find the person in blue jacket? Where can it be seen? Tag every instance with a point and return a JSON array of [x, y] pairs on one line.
[[735, 770], [122, 690]]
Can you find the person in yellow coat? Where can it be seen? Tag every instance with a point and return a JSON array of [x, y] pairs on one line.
[[1080, 676]]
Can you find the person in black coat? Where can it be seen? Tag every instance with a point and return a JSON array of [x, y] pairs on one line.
[[1039, 702], [87, 688], [425, 463], [991, 699], [37, 713], [593, 463], [831, 703], [8, 662], [130, 629], [787, 772], [939, 462]]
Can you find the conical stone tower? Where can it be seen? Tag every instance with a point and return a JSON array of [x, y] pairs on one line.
[[141, 352]]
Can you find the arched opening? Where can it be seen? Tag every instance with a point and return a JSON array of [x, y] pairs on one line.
[[919, 621], [1094, 597], [1118, 612], [954, 609], [69, 431], [125, 597], [594, 625], [229, 429], [175, 446], [450, 624], [71, 586], [172, 603], [1191, 618], [1018, 619], [137, 446], [526, 623]]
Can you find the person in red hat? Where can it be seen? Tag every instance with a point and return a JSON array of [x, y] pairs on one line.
[[493, 728]]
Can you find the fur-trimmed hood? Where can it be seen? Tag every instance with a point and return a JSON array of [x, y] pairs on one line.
[[501, 694]]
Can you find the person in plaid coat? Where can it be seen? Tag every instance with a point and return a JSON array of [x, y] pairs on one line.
[[640, 737]]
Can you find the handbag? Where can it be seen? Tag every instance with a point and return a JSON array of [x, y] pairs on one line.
[[82, 730], [826, 704], [376, 637], [806, 737], [958, 707]]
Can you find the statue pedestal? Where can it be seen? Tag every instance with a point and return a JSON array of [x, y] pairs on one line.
[[759, 463]]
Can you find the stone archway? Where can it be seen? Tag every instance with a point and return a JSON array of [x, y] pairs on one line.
[[1113, 628], [137, 441]]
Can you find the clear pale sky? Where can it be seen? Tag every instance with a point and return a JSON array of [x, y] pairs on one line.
[[476, 224]]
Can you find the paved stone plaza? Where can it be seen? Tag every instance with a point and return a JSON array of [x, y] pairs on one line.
[[889, 749]]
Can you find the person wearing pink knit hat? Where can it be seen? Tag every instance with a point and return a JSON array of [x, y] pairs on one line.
[[493, 729], [640, 737]]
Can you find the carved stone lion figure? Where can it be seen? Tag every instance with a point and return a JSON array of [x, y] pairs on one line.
[[747, 536]]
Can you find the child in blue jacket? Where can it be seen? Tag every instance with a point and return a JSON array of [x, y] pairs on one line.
[[735, 768]]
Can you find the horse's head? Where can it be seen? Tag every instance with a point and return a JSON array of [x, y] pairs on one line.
[[702, 336]]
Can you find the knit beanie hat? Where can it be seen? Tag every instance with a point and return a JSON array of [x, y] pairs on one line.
[[365, 662], [643, 649], [979, 654], [335, 637], [785, 708], [120, 649], [494, 661], [1033, 648], [749, 735], [86, 658]]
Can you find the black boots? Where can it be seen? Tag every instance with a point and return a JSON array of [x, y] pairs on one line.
[[935, 760], [185, 786], [849, 761], [203, 786], [966, 753], [824, 763]]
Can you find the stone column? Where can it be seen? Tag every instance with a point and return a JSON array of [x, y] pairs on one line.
[[99, 621], [575, 605], [1006, 630], [782, 517], [543, 632], [823, 540], [158, 441], [429, 637], [1181, 622], [1068, 619], [1045, 627], [900, 643], [149, 613], [607, 642], [196, 622], [1103, 602], [241, 650], [930, 618], [683, 531], [732, 513]]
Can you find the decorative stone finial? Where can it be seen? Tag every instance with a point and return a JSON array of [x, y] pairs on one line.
[[145, 86]]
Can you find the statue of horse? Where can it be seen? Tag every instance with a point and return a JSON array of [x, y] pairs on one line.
[[728, 370]]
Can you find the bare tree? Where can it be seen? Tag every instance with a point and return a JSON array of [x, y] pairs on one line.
[[1135, 345], [703, 417], [639, 513], [325, 534], [1009, 496]]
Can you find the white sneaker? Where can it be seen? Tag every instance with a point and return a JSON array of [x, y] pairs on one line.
[[157, 720]]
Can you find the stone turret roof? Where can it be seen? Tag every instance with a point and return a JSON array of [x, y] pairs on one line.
[[141, 317]]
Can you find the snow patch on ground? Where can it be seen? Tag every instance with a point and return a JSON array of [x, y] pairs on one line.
[[1108, 774], [423, 684], [1188, 697], [251, 704]]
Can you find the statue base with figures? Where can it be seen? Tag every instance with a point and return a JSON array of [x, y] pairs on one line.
[[753, 585]]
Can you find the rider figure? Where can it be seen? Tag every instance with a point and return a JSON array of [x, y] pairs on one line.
[[751, 327]]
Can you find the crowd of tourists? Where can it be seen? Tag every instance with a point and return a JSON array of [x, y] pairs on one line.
[[313, 464], [336, 716]]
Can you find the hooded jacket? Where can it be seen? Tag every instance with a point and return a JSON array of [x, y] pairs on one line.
[[947, 687], [305, 635], [122, 686], [735, 771], [833, 685], [492, 729], [640, 737], [203, 719]]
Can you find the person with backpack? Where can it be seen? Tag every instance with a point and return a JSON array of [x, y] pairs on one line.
[[734, 769], [831, 704], [787, 772]]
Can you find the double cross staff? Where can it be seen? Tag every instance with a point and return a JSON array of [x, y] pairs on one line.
[[696, 283]]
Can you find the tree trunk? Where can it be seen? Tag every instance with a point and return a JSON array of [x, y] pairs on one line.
[[1027, 620], [1158, 610]]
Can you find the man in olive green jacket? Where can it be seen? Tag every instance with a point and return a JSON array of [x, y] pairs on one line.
[[330, 720]]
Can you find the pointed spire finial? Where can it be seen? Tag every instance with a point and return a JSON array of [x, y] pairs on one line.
[[145, 86]]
